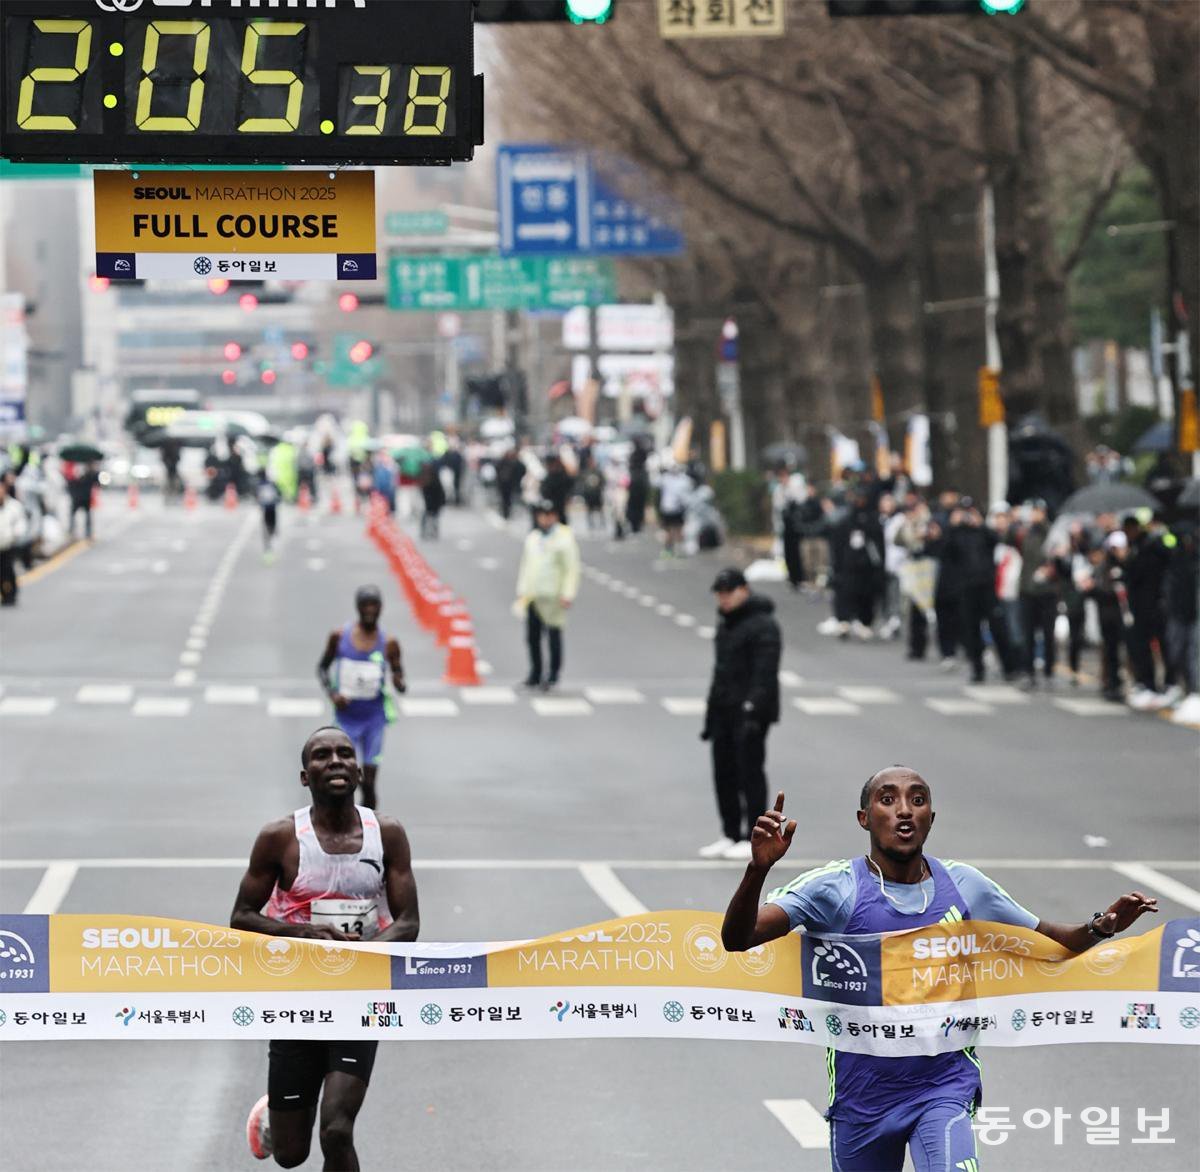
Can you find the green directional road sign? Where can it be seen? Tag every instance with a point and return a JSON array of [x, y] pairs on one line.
[[416, 223], [497, 282]]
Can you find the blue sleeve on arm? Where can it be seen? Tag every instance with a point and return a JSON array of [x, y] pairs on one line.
[[820, 900], [987, 899]]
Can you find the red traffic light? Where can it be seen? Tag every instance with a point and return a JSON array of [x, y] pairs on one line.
[[360, 352], [299, 351], [218, 285], [98, 284], [232, 351], [268, 377], [248, 302], [228, 377], [347, 303]]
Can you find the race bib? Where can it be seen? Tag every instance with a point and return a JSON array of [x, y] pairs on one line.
[[360, 679], [355, 917]]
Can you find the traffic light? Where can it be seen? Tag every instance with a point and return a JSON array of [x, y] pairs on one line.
[[248, 302], [529, 11], [232, 351], [299, 351], [361, 352], [268, 377], [348, 302], [923, 7]]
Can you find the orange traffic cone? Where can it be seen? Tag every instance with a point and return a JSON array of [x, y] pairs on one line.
[[304, 499], [133, 494], [189, 497], [460, 663], [231, 497], [335, 501]]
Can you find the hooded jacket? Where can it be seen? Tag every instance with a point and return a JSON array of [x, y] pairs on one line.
[[748, 645]]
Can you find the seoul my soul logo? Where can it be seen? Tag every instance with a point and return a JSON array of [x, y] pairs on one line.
[[1140, 1015], [382, 1015]]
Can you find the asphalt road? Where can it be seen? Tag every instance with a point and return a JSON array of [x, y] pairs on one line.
[[157, 689]]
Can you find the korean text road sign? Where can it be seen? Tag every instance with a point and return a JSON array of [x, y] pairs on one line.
[[496, 282]]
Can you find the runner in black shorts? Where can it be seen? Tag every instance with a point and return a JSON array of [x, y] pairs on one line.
[[328, 871]]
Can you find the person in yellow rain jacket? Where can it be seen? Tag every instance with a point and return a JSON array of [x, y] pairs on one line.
[[547, 583]]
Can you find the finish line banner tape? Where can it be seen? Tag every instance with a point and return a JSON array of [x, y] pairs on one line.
[[658, 975]]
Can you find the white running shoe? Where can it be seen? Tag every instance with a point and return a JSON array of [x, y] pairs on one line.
[[829, 626], [739, 851], [862, 631], [1172, 696], [258, 1130], [716, 850]]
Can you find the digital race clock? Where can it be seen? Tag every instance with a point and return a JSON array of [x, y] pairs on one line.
[[236, 81]]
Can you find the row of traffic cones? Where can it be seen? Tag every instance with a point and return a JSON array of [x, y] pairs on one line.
[[190, 499], [433, 604]]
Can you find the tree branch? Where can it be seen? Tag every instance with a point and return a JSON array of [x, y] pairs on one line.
[[1100, 199]]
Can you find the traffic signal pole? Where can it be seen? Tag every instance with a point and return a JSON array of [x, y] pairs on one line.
[[997, 438]]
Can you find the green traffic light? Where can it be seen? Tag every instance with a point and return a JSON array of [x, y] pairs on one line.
[[583, 11], [1001, 7]]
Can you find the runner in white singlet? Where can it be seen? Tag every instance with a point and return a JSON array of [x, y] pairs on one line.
[[329, 871]]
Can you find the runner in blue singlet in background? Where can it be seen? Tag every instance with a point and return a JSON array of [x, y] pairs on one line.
[[879, 1105], [358, 655]]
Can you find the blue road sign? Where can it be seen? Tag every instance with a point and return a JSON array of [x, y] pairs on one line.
[[563, 200]]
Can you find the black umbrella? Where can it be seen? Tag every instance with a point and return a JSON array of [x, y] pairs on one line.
[[1156, 438], [80, 453], [784, 455], [1108, 498]]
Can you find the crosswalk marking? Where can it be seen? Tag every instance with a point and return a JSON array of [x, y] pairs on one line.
[[27, 705], [954, 707], [431, 706], [562, 706], [996, 694], [295, 706], [1091, 707], [614, 695], [869, 694], [231, 694], [105, 694], [162, 706], [804, 1123], [488, 695], [685, 705], [790, 679], [825, 706]]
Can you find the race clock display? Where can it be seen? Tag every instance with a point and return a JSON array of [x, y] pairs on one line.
[[223, 81]]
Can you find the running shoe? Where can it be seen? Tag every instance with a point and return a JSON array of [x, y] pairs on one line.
[[258, 1130], [739, 851], [716, 850]]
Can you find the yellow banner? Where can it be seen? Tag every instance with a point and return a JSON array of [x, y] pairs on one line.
[[721, 18], [271, 212]]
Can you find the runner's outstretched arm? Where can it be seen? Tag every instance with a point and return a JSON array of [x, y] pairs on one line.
[[1081, 937], [746, 923], [323, 666], [393, 657]]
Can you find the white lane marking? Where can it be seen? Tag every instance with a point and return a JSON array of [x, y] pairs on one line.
[[685, 705], [105, 694], [826, 706], [162, 706], [483, 667], [295, 706], [790, 679], [434, 706], [52, 890], [463, 545], [184, 677], [996, 694], [868, 694], [27, 705], [203, 863], [561, 706], [684, 620], [190, 658], [616, 586], [161, 566], [959, 707], [804, 1123], [199, 630], [706, 632], [489, 563], [630, 591], [488, 695], [231, 694], [1145, 876], [666, 610], [614, 695], [604, 882], [647, 600], [196, 643], [1091, 707], [316, 564]]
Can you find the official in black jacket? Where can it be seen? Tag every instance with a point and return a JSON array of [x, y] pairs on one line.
[[743, 703]]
